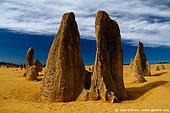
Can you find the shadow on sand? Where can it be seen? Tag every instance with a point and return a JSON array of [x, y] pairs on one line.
[[158, 74], [136, 92]]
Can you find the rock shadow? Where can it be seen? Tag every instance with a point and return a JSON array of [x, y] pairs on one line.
[[158, 74], [136, 92]]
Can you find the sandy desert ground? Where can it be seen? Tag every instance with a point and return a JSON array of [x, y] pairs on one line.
[[20, 96]]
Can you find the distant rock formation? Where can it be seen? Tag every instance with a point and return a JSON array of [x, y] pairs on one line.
[[31, 70], [140, 67], [38, 65], [107, 79], [64, 72], [32, 73], [157, 68], [162, 67], [30, 57], [22, 66]]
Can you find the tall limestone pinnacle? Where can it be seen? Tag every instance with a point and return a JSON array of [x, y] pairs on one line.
[[107, 78], [64, 72], [140, 66], [30, 57], [31, 72], [140, 52]]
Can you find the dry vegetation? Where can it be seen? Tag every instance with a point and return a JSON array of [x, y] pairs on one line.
[[18, 95]]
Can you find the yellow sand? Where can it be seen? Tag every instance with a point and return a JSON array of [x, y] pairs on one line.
[[20, 96]]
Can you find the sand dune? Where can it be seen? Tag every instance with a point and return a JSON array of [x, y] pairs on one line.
[[20, 96]]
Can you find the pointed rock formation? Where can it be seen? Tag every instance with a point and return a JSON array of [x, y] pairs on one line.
[[107, 79], [140, 66], [30, 57], [64, 73]]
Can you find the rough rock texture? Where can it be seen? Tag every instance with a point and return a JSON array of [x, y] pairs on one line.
[[31, 70], [32, 73], [30, 57], [38, 65], [84, 95], [107, 79], [147, 71], [140, 66], [65, 73]]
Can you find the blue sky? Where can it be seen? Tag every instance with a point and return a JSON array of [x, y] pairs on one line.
[[144, 20]]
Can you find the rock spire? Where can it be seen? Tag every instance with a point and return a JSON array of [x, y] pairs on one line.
[[64, 72], [140, 67], [107, 78]]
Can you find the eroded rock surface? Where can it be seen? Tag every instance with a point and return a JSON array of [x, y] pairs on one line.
[[30, 57], [65, 73], [32, 73], [107, 78], [38, 65], [140, 67], [31, 70]]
